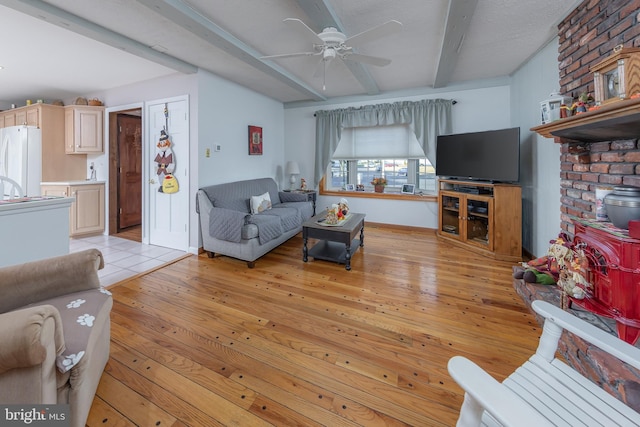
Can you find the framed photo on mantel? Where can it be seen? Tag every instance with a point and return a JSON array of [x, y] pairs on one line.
[[255, 141]]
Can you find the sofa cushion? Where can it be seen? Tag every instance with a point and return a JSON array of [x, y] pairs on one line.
[[269, 226], [77, 310], [260, 203], [289, 217], [305, 209], [236, 195]]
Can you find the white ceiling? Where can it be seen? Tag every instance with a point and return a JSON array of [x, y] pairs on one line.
[[60, 49]]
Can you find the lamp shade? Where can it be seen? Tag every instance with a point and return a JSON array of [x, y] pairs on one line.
[[292, 168]]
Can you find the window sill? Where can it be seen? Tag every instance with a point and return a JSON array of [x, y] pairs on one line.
[[384, 196], [373, 195]]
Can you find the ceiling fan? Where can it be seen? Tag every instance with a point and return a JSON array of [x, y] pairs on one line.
[[331, 43]]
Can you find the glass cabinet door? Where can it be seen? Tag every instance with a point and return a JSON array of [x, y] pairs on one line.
[[478, 224], [451, 214]]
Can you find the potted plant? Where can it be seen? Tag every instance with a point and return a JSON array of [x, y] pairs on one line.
[[379, 184]]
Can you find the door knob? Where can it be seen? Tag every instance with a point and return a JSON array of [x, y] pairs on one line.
[[152, 181]]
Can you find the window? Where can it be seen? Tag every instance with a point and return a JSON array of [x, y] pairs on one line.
[[391, 152]]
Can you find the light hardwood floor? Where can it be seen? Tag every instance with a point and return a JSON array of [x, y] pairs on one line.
[[209, 342]]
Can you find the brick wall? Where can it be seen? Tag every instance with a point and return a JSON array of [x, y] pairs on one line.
[[586, 37]]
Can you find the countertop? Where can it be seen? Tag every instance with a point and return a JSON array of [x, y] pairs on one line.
[[85, 182], [29, 204]]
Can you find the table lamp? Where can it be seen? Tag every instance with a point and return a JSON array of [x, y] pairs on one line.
[[292, 169]]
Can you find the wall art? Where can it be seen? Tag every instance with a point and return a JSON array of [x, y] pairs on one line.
[[255, 140]]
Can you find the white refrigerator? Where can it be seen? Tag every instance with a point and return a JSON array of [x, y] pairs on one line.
[[21, 157]]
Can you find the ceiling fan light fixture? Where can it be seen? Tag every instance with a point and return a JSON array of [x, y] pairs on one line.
[[329, 54]]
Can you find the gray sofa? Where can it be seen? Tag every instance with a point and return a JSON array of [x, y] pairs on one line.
[[228, 226]]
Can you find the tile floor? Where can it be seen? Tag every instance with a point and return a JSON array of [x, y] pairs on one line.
[[124, 258]]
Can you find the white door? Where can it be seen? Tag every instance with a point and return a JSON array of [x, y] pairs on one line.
[[168, 223]]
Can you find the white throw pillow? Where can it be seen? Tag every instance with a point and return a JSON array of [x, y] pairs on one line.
[[260, 203]]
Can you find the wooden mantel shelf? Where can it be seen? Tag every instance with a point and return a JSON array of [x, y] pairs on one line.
[[614, 121]]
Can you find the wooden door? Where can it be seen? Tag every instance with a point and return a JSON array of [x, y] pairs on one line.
[[129, 171]]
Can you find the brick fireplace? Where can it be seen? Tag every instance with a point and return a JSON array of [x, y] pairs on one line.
[[586, 37], [600, 148]]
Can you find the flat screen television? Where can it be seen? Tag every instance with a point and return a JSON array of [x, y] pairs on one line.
[[484, 156]]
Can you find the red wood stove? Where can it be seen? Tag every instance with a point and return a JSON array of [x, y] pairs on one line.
[[614, 272]]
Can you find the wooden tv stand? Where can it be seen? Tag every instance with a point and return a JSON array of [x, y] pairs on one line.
[[482, 216]]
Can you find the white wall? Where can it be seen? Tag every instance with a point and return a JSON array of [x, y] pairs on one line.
[[482, 108], [225, 111], [540, 157]]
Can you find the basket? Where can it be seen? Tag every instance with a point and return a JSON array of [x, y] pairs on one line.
[[95, 102]]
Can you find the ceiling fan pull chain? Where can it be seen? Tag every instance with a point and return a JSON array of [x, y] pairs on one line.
[[324, 75]]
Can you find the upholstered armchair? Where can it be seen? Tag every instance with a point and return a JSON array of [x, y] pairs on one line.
[[54, 332]]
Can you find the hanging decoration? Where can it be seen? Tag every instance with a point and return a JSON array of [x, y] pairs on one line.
[[165, 162]]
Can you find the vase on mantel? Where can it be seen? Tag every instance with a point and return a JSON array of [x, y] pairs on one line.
[[379, 188]]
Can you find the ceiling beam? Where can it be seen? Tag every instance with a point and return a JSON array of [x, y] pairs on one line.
[[458, 20], [322, 15], [56, 16], [186, 17]]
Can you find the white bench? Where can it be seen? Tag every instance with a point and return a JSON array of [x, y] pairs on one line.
[[545, 391]]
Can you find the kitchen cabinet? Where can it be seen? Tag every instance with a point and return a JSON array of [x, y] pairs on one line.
[[31, 116], [481, 216], [9, 119], [28, 115], [83, 129], [21, 117], [86, 214]]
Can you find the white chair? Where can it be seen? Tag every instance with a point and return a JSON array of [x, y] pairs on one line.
[[545, 391], [9, 189]]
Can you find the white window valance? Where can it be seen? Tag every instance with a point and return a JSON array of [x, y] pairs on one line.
[[378, 142]]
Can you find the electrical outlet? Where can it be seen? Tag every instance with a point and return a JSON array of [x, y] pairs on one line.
[[207, 152], [218, 147]]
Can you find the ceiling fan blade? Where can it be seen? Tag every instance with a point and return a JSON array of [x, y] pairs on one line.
[[289, 55], [382, 30], [310, 35], [366, 59]]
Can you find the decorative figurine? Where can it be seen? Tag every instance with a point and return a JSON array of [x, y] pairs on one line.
[[582, 103]]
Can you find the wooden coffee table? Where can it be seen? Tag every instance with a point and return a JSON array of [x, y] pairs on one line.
[[337, 243]]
